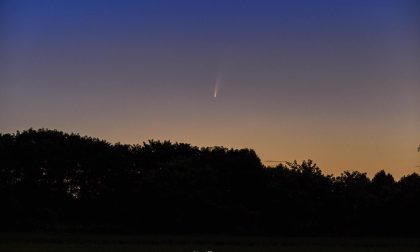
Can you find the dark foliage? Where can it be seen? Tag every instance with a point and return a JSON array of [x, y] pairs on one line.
[[50, 180]]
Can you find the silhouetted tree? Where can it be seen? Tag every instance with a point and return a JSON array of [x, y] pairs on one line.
[[53, 180], [353, 199]]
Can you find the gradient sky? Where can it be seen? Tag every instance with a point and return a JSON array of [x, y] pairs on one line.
[[337, 81]]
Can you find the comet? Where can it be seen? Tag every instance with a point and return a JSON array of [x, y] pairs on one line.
[[217, 83], [216, 88]]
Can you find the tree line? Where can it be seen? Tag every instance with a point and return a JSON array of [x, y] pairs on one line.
[[50, 180]]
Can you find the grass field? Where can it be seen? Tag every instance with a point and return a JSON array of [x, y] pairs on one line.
[[29, 242]]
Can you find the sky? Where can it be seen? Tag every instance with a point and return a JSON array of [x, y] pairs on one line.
[[337, 82]]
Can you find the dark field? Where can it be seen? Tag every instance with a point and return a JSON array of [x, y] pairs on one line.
[[77, 242]]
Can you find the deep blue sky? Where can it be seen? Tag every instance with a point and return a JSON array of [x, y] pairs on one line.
[[335, 81]]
